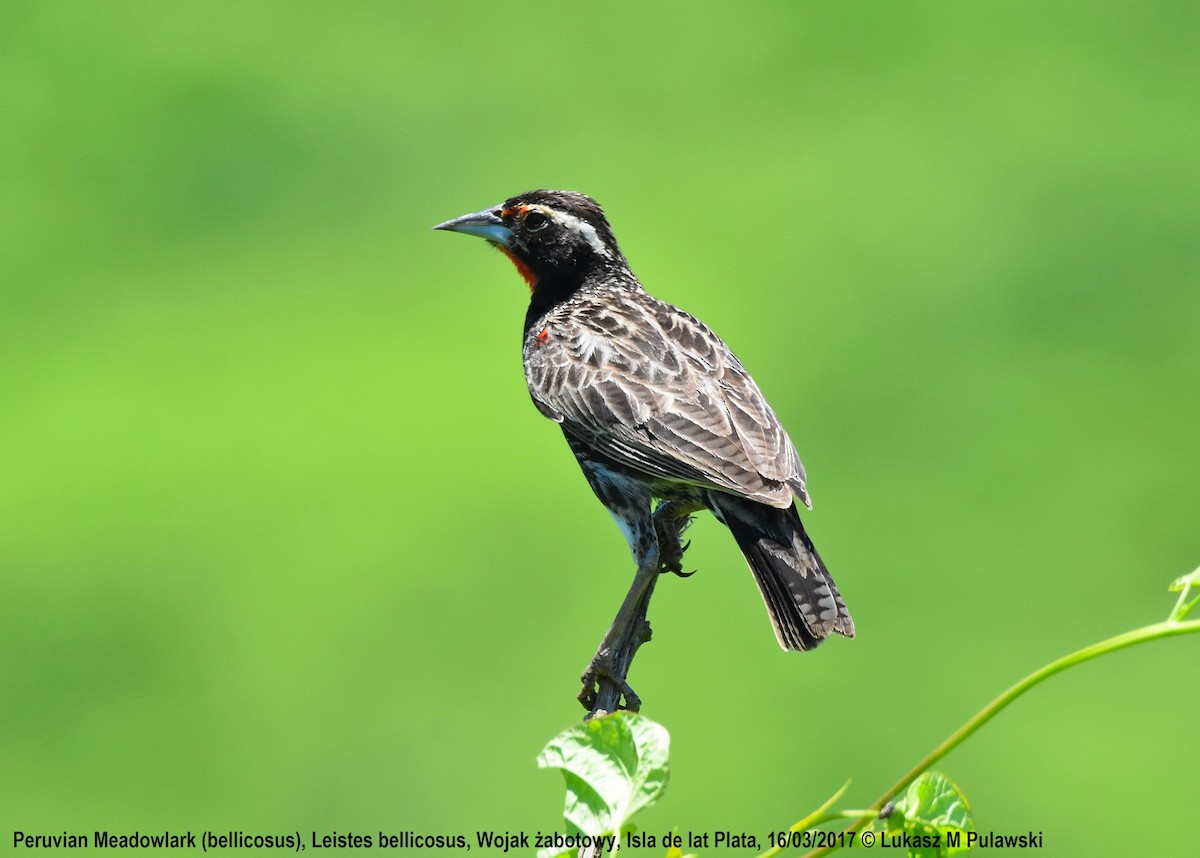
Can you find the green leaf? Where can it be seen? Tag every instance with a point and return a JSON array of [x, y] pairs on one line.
[[613, 765], [1185, 585], [932, 809]]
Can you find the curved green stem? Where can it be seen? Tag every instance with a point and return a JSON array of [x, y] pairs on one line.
[[1167, 628], [817, 817]]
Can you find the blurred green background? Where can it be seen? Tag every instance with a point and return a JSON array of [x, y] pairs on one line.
[[283, 544]]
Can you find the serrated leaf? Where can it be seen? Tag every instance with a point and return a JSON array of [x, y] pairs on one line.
[[933, 805], [613, 766]]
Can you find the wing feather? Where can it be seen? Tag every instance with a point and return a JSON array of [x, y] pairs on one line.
[[653, 389]]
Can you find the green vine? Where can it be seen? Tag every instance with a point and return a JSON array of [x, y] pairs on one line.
[[618, 764], [1175, 624]]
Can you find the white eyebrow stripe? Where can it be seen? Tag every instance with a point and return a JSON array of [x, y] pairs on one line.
[[577, 225]]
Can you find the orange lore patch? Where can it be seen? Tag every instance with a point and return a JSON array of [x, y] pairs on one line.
[[522, 268]]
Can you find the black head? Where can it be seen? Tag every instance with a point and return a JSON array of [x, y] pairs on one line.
[[553, 237]]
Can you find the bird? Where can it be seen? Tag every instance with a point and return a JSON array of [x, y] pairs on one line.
[[663, 419]]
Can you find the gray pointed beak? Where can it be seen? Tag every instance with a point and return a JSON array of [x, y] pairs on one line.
[[485, 224]]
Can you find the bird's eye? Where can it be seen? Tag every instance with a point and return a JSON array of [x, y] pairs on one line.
[[535, 220]]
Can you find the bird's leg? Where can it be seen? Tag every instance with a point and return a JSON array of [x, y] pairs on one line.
[[604, 682], [671, 519]]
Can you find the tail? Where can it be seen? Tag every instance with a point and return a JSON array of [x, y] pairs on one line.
[[803, 602]]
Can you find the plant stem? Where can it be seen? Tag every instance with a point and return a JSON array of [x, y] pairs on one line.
[[817, 817], [1167, 628]]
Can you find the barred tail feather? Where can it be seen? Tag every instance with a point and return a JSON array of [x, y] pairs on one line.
[[802, 601]]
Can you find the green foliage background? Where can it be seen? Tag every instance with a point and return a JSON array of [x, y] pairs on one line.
[[284, 546]]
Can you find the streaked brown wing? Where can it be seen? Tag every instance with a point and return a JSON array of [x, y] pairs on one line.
[[652, 388]]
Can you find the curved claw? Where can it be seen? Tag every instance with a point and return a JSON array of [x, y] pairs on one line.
[[602, 668]]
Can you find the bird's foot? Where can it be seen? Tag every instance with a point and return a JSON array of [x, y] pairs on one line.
[[602, 671], [668, 526], [604, 683], [674, 563]]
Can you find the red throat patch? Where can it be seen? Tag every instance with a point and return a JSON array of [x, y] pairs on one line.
[[522, 268]]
